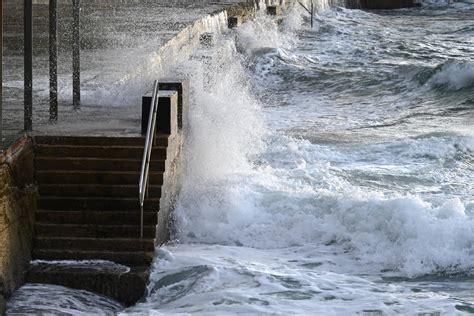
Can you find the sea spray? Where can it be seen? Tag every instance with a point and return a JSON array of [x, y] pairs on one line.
[[348, 200]]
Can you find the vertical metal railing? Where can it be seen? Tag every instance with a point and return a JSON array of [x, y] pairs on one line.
[[150, 136], [76, 54], [53, 60], [28, 64]]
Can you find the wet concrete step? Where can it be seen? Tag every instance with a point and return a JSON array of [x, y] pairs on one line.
[[62, 203], [126, 287], [96, 190], [160, 140], [158, 153], [94, 244], [94, 177], [55, 163], [132, 258], [93, 231], [95, 217]]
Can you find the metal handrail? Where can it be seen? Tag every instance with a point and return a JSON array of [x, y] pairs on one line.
[[150, 134]]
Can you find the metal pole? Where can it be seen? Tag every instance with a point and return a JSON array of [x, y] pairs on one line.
[[76, 57], [312, 13], [53, 60], [28, 64], [1, 75]]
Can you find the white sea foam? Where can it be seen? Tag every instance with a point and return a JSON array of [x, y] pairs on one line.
[[289, 202], [245, 187], [308, 280], [454, 75], [42, 299]]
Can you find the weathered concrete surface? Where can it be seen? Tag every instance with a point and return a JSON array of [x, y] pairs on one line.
[[173, 172], [17, 206]]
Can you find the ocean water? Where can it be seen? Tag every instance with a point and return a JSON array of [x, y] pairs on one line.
[[327, 171]]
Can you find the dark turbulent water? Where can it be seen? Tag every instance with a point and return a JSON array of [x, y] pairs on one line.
[[328, 171]]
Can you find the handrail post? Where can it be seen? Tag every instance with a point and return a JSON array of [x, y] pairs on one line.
[[141, 220], [28, 65], [76, 54], [53, 60], [150, 135]]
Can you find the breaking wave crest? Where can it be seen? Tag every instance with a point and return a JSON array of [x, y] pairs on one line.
[[453, 76], [247, 185]]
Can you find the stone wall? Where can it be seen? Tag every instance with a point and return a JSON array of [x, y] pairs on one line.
[[173, 169], [18, 202]]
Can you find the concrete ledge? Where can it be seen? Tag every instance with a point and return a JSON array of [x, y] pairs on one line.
[[125, 287]]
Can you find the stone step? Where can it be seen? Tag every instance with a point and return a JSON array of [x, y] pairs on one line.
[[126, 287], [122, 257], [96, 217], [94, 244], [94, 177], [55, 163], [160, 140], [115, 152], [62, 203], [93, 231], [93, 190]]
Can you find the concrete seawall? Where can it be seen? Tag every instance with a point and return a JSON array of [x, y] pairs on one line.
[[17, 206]]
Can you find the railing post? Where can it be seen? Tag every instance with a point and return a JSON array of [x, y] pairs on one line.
[[76, 54], [1, 75], [53, 60], [28, 64]]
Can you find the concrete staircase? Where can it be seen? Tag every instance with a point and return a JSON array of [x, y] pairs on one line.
[[88, 204], [88, 198]]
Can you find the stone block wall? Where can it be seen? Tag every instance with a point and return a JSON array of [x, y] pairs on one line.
[[18, 202]]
